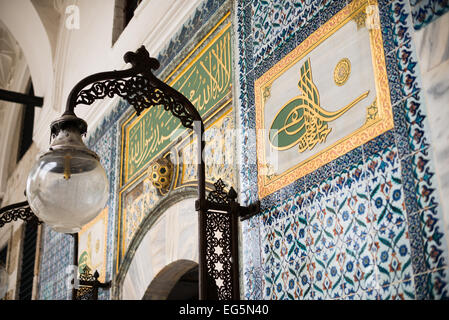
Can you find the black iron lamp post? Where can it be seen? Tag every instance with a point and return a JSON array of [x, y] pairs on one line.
[[68, 187], [88, 283]]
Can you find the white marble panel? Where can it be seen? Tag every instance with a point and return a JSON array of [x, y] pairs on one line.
[[347, 42], [436, 84], [174, 236], [432, 43]]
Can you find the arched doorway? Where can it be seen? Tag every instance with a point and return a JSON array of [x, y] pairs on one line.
[[176, 281], [187, 287], [163, 250]]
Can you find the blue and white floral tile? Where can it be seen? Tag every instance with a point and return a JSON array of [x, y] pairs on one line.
[[349, 166], [434, 239], [432, 285], [354, 215], [387, 200], [426, 11], [410, 75], [417, 253], [411, 125], [273, 22], [393, 260], [369, 294], [329, 8], [438, 283], [421, 12], [289, 282], [335, 273], [57, 255], [315, 230], [357, 277], [267, 284], [252, 283], [382, 160], [394, 78], [303, 279], [251, 244], [403, 290], [409, 186], [345, 179], [340, 261], [403, 72], [275, 280], [268, 258], [247, 18], [317, 272], [380, 154], [425, 179], [396, 24], [267, 237], [383, 163], [418, 128], [295, 228]]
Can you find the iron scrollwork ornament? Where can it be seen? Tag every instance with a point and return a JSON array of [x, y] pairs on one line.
[[138, 86], [218, 214], [221, 247], [219, 252], [218, 195], [87, 292], [89, 285], [16, 211]]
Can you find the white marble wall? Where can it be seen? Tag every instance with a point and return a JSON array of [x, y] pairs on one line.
[[174, 236], [432, 44]]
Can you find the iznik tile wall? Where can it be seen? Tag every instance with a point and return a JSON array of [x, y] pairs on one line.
[[368, 225], [57, 252], [426, 11], [57, 255]]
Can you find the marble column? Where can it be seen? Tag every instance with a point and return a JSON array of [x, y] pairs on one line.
[[432, 44]]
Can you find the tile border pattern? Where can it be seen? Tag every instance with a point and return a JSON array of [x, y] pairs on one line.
[[401, 157]]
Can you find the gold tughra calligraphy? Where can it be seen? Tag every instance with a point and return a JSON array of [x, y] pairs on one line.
[[302, 121]]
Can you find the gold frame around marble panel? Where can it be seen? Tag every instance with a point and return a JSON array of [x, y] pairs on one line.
[[368, 131], [103, 215], [125, 185]]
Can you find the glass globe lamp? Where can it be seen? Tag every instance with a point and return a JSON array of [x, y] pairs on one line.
[[67, 187]]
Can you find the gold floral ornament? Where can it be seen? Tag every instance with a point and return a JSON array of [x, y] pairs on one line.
[[371, 113], [342, 71], [266, 93], [302, 120], [161, 173]]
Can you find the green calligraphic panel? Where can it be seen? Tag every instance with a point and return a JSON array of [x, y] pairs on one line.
[[205, 80]]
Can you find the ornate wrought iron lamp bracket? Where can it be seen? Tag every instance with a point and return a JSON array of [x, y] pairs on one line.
[[141, 89], [89, 285], [137, 85], [13, 212], [221, 232]]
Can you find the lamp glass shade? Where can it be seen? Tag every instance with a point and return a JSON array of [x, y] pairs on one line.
[[67, 187]]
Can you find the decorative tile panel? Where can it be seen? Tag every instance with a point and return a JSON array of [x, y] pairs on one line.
[[307, 124], [57, 255], [426, 11], [370, 224]]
